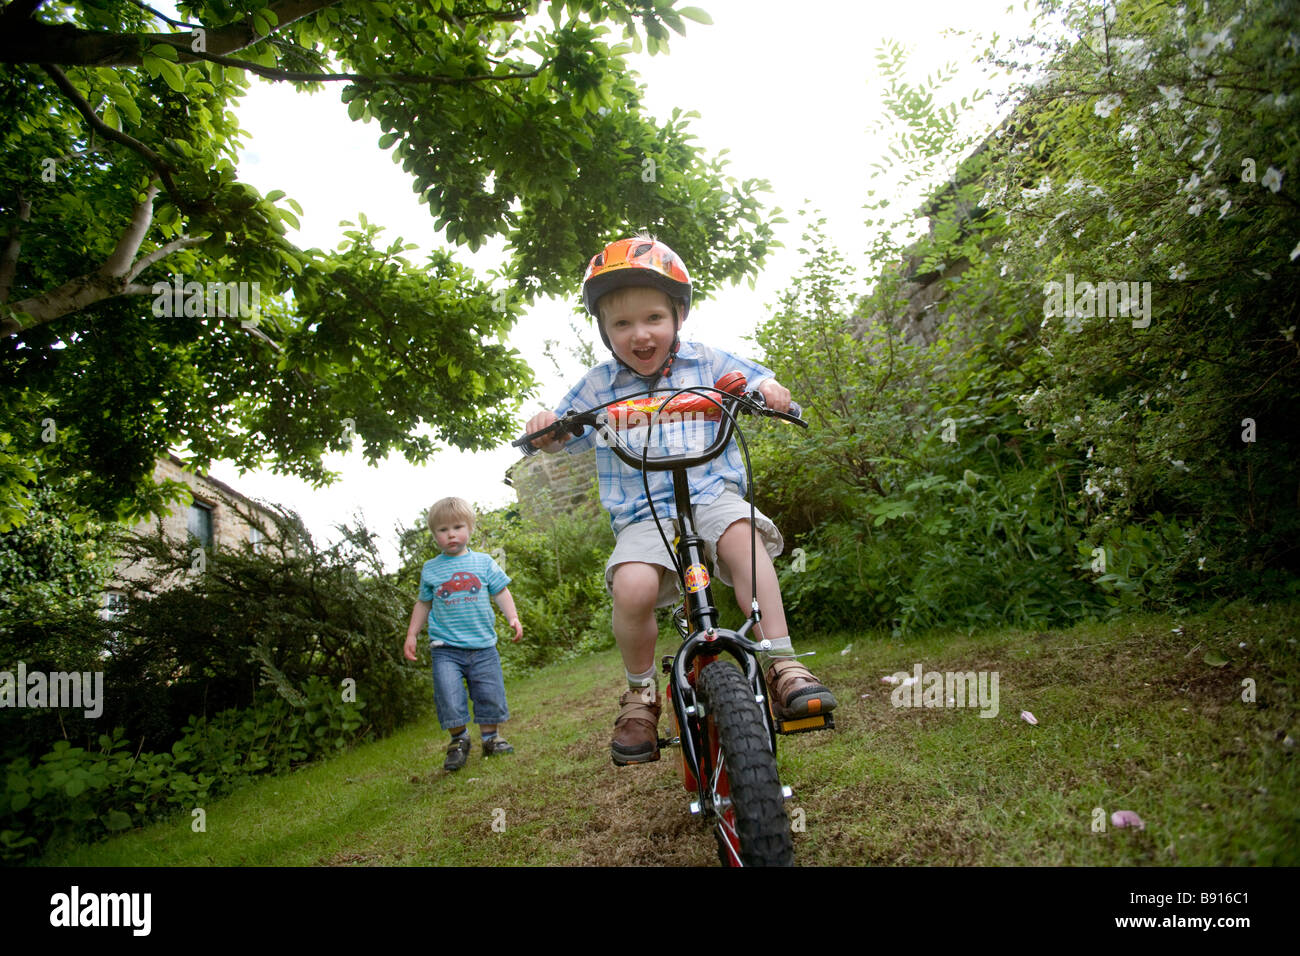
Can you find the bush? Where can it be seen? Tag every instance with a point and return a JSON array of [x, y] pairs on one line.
[[85, 794], [246, 621]]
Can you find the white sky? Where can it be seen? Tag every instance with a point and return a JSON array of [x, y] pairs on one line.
[[790, 91]]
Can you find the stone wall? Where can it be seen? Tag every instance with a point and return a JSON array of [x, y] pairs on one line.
[[229, 527], [549, 484]]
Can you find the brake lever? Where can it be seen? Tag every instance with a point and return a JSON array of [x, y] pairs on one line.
[[795, 415], [569, 422]]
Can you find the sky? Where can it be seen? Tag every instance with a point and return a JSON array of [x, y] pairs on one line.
[[790, 90]]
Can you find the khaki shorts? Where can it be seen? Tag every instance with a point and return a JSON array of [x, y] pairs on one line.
[[641, 542]]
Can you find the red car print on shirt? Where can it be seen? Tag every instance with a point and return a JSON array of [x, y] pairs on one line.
[[460, 581]]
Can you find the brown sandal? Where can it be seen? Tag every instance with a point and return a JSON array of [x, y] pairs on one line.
[[796, 692], [636, 731]]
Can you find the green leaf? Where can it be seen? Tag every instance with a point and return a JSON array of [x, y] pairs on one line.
[[172, 76], [696, 14], [263, 22]]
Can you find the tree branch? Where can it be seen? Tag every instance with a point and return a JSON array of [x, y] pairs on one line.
[[111, 279], [162, 252], [13, 243], [166, 19], [128, 244], [156, 162], [298, 76], [30, 41]]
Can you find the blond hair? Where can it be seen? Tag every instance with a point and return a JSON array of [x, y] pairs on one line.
[[451, 509]]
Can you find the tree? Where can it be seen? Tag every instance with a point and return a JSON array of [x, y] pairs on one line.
[[1131, 233], [150, 299]]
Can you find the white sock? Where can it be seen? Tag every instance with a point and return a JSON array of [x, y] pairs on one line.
[[637, 681]]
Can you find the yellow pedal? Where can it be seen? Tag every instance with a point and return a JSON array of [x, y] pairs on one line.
[[805, 724]]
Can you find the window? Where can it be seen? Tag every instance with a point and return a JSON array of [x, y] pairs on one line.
[[199, 524], [114, 605]]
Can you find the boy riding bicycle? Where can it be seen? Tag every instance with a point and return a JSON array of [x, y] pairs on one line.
[[640, 293]]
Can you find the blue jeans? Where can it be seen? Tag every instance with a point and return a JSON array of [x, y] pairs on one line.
[[453, 667]]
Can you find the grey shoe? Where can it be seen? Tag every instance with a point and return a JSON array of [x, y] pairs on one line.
[[497, 745], [457, 754]]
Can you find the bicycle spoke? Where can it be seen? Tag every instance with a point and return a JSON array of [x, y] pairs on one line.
[[730, 840]]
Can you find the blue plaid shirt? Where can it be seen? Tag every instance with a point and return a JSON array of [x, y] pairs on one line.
[[622, 491]]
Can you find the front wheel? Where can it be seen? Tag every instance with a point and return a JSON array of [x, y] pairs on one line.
[[752, 827]]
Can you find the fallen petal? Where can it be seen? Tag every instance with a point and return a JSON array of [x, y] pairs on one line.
[[846, 650], [1126, 818], [1027, 717], [891, 679]]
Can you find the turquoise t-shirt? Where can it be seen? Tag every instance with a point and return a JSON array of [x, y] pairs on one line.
[[460, 590]]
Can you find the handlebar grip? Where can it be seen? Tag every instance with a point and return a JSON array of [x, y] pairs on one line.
[[795, 409]]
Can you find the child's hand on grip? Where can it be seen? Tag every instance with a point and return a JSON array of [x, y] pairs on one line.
[[540, 421]]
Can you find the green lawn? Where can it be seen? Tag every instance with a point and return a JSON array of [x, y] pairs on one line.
[[1132, 715]]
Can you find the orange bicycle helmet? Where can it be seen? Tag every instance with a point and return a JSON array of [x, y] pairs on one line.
[[639, 261], [636, 261]]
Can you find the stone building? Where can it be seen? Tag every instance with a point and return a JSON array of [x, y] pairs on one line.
[[555, 484], [217, 517]]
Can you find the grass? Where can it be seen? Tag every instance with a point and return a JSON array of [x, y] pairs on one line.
[[1144, 714]]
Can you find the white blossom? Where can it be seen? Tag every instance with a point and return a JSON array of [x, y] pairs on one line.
[[1223, 211], [1272, 178], [1192, 183], [1178, 272], [1172, 94], [1133, 53], [1295, 252], [1195, 209], [1107, 105], [1211, 42]]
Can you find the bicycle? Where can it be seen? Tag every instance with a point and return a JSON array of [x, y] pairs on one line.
[[722, 715]]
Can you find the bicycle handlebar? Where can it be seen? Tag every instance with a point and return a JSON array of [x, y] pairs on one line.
[[617, 415]]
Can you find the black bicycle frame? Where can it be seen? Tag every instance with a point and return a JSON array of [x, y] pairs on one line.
[[706, 638]]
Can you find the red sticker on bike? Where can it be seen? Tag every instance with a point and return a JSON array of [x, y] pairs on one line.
[[697, 579]]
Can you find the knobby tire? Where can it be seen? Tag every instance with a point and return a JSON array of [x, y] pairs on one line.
[[750, 766]]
